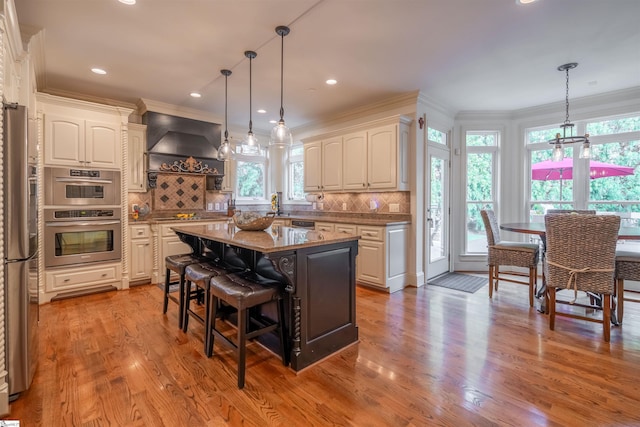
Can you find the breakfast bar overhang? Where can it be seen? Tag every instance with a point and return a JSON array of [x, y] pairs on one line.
[[316, 268]]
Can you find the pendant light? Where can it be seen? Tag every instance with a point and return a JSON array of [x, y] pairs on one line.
[[281, 134], [250, 140], [559, 141], [225, 152]]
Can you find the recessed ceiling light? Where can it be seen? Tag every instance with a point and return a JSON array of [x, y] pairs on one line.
[[128, 2], [195, 95], [261, 111], [331, 81], [98, 71], [525, 1], [273, 121]]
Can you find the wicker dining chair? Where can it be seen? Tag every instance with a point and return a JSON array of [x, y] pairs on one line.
[[627, 267], [580, 256], [513, 254]]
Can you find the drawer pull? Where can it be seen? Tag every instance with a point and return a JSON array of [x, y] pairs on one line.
[[66, 280], [104, 274]]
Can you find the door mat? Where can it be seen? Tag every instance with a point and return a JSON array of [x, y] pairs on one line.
[[459, 282]]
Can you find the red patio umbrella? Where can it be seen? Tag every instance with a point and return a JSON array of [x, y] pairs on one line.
[[549, 170]]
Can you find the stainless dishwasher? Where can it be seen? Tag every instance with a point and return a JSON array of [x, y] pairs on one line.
[[300, 223]]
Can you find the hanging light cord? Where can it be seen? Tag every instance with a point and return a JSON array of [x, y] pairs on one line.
[[282, 34], [226, 131], [250, 107], [566, 120]]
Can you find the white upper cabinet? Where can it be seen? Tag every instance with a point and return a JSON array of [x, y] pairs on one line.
[[323, 165], [382, 157], [377, 159], [374, 158], [332, 164], [63, 140], [82, 134], [102, 144], [354, 169], [137, 143], [313, 166]]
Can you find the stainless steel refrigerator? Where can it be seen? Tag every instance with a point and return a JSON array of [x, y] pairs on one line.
[[20, 249]]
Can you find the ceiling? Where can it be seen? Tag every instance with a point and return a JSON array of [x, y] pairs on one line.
[[466, 55]]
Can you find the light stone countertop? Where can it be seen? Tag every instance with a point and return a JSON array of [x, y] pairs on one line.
[[273, 239], [367, 219]]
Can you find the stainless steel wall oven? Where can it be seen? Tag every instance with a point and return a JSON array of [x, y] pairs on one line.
[[80, 236], [81, 187]]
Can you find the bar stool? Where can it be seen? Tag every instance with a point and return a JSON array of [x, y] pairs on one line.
[[627, 267], [244, 291], [200, 274], [178, 264]]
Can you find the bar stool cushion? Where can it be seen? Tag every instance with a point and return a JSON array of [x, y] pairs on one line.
[[201, 273], [244, 290], [179, 263]]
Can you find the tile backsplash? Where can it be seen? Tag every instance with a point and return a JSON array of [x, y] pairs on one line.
[[186, 193]]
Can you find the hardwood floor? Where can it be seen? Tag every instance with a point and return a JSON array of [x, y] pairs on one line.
[[427, 356]]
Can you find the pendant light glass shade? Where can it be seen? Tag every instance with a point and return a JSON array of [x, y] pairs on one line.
[[225, 152], [250, 141], [281, 134]]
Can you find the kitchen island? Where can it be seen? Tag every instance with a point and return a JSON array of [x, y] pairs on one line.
[[317, 270]]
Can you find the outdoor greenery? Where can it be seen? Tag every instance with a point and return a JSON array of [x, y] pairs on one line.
[[296, 181], [620, 194], [250, 180]]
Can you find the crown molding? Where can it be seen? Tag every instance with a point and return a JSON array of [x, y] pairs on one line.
[[406, 101], [97, 107], [602, 104], [145, 105]]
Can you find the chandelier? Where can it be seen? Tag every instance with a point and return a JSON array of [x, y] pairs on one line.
[[559, 141]]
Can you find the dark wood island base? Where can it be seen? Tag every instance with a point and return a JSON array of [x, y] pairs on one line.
[[317, 270]]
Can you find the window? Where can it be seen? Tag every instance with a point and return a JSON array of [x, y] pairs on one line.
[[295, 172], [482, 149], [436, 136], [615, 141], [551, 189], [251, 179]]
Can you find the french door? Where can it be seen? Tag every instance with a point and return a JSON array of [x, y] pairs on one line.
[[437, 211]]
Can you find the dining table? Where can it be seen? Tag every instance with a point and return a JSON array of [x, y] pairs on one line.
[[538, 229]]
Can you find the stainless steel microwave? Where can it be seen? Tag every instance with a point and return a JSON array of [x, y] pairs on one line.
[[81, 187]]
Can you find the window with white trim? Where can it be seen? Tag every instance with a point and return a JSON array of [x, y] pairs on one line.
[[481, 161], [615, 141], [295, 173], [251, 173]]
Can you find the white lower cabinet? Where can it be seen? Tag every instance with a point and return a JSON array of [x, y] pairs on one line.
[[382, 256], [346, 228], [382, 253], [325, 226], [141, 253], [77, 280]]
